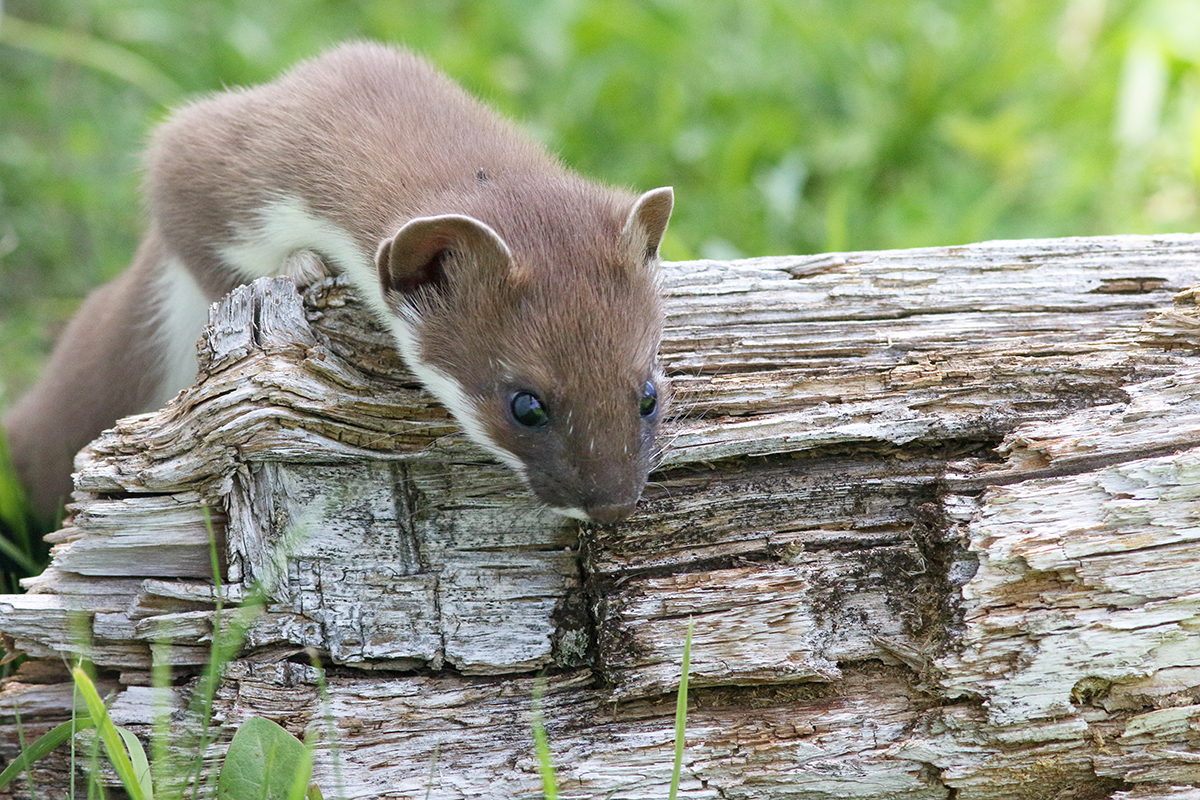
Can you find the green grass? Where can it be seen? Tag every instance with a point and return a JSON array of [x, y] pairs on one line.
[[263, 760], [23, 552], [786, 126], [541, 741]]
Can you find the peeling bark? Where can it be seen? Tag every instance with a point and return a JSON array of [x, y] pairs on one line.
[[934, 513]]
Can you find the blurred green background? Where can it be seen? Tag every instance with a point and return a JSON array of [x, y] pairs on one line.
[[786, 126]]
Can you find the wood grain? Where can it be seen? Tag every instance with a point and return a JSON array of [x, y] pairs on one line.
[[934, 515]]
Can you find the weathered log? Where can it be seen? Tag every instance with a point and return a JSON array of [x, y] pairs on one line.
[[933, 513]]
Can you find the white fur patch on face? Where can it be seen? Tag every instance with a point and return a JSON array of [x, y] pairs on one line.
[[275, 243], [448, 392], [183, 313]]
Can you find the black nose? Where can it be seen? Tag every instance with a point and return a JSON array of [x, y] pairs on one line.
[[611, 513]]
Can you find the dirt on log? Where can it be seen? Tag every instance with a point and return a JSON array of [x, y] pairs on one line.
[[934, 515]]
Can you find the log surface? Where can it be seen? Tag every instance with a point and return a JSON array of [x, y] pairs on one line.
[[932, 513]]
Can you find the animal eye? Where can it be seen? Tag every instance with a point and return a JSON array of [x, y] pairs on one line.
[[649, 399], [528, 409]]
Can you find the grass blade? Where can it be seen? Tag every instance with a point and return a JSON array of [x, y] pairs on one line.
[[432, 772], [113, 744], [300, 785], [42, 747], [681, 711], [19, 557], [13, 505], [141, 765], [542, 747]]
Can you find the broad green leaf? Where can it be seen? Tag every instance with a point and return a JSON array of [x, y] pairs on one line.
[[264, 762]]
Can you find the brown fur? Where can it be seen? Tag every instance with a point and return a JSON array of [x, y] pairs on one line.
[[394, 139], [361, 141], [577, 326], [105, 367]]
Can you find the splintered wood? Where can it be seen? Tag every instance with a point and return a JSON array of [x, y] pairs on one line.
[[934, 515]]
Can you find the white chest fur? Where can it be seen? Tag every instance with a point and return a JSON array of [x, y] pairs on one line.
[[280, 239]]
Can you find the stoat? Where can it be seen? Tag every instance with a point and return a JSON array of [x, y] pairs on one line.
[[524, 297]]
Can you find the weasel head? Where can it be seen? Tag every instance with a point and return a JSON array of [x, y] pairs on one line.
[[546, 356]]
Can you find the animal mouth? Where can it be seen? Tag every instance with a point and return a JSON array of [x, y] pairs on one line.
[[606, 514]]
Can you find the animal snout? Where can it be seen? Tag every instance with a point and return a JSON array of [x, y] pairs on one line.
[[610, 513]]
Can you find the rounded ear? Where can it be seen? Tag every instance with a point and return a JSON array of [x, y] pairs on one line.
[[648, 220], [416, 256]]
